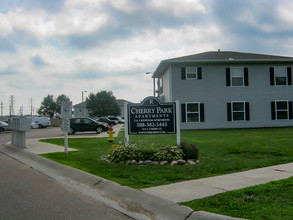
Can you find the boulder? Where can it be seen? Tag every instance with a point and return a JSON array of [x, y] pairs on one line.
[[181, 162], [174, 163], [164, 162], [154, 163]]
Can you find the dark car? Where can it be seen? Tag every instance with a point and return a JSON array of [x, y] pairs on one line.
[[86, 124], [108, 121], [116, 118]]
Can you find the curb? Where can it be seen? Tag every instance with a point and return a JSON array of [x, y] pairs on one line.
[[131, 202]]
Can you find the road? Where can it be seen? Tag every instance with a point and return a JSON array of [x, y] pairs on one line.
[[28, 194]]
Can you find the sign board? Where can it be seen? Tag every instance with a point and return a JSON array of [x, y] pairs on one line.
[[65, 125], [152, 117], [66, 109]]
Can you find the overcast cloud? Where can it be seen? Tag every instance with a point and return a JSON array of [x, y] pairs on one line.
[[68, 46]]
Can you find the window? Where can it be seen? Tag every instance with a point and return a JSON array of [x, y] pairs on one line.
[[191, 73], [237, 76], [280, 75], [238, 111], [192, 112], [281, 110]]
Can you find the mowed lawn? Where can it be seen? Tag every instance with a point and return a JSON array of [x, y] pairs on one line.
[[221, 152], [273, 200]]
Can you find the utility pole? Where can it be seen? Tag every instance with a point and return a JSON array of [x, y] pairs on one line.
[[31, 102], [11, 105], [1, 110]]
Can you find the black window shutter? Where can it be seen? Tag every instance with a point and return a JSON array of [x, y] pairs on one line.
[[183, 112], [229, 113], [183, 73], [247, 115], [272, 76], [201, 112], [245, 76], [290, 110], [289, 76], [199, 75], [273, 109], [228, 81]]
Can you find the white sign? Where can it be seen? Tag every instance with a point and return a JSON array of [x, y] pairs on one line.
[[66, 109], [65, 125]]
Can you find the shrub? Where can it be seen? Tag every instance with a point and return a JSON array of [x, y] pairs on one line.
[[190, 151], [121, 153], [168, 153]]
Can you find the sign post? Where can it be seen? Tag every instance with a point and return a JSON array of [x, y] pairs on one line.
[[152, 117], [66, 113]]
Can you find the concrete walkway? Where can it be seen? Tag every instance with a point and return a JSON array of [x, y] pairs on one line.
[[196, 189], [34, 146]]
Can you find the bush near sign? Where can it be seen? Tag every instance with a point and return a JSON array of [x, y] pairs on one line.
[[152, 117]]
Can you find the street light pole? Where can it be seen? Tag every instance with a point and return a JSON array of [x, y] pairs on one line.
[[82, 103], [154, 84]]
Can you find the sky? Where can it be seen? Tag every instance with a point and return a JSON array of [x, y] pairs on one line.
[[68, 46]]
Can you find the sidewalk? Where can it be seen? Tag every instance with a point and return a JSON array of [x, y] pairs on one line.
[[196, 189]]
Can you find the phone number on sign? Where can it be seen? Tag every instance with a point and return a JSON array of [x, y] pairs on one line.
[[152, 124]]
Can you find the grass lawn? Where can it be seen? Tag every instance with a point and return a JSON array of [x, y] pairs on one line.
[[221, 152], [273, 200]]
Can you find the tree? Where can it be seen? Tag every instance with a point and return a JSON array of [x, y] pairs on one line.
[[102, 104], [59, 99], [48, 106]]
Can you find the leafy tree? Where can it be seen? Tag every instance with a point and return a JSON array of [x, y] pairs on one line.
[[48, 106], [59, 99], [102, 104]]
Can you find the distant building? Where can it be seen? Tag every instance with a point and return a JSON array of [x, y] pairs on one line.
[[79, 110], [225, 89]]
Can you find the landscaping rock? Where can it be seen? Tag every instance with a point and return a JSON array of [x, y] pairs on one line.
[[133, 162], [164, 163], [147, 162], [154, 163], [174, 163], [128, 162], [140, 162], [190, 162], [197, 161], [181, 162]]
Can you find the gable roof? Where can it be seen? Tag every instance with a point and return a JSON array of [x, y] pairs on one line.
[[213, 57]]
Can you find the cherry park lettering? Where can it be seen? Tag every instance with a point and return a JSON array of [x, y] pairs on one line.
[[152, 117]]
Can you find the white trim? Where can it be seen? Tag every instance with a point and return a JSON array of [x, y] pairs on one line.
[[244, 110], [196, 73], [170, 84], [282, 110], [243, 80], [286, 75], [198, 103]]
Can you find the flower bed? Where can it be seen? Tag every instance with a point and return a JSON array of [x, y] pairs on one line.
[[166, 155]]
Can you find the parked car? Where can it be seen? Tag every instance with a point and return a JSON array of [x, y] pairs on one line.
[[108, 121], [34, 125], [116, 118], [86, 124], [42, 122], [4, 126]]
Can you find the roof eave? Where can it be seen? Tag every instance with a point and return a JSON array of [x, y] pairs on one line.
[[165, 63]]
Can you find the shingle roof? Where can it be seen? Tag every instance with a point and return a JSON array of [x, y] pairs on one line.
[[221, 57]]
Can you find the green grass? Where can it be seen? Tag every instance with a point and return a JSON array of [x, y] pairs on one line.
[[273, 200], [221, 152]]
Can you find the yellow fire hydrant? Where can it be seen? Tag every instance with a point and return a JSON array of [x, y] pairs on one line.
[[110, 132]]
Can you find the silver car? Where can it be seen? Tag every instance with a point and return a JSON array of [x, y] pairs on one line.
[[4, 126]]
